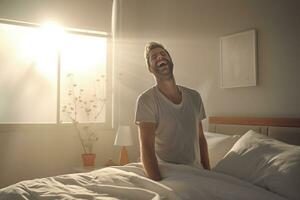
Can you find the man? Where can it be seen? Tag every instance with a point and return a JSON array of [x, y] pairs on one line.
[[169, 118]]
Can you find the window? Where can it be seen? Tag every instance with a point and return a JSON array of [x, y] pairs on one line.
[[83, 78], [37, 66]]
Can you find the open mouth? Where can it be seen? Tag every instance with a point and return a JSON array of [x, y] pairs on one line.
[[162, 63]]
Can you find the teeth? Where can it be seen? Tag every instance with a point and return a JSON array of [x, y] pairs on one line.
[[161, 63]]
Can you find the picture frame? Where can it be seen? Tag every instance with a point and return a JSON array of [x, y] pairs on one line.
[[238, 59]]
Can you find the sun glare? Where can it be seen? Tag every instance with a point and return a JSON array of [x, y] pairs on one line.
[[41, 47], [90, 54], [80, 54], [48, 41], [54, 33]]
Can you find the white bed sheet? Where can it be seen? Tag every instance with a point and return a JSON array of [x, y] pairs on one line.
[[128, 182]]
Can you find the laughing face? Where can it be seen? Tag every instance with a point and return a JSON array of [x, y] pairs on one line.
[[160, 64]]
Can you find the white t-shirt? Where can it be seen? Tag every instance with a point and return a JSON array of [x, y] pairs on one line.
[[176, 134]]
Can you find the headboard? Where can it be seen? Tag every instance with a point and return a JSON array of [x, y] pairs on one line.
[[283, 129]]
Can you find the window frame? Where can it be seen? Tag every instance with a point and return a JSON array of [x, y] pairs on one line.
[[108, 124]]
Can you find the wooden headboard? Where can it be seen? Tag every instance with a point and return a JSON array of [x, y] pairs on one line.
[[283, 129]]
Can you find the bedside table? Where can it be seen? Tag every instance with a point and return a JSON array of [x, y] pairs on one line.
[[81, 169]]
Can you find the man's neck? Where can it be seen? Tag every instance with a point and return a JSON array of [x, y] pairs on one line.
[[170, 90]]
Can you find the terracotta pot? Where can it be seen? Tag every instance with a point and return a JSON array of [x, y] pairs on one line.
[[88, 159]]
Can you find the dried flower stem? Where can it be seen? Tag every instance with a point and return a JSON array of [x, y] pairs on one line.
[[88, 106]]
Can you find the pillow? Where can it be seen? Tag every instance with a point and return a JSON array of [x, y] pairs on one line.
[[218, 145], [265, 162]]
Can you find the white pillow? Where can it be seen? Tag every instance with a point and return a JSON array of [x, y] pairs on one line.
[[218, 145], [265, 162]]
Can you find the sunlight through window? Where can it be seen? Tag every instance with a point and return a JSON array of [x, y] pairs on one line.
[[29, 70], [85, 58], [27, 94], [40, 48]]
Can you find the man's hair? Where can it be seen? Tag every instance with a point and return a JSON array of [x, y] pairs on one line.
[[152, 45]]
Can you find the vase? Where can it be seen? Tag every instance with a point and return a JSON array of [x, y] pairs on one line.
[[88, 159]]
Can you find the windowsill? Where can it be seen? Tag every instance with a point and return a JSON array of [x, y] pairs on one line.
[[48, 126]]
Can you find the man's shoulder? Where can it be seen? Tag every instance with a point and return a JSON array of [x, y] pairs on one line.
[[149, 93]]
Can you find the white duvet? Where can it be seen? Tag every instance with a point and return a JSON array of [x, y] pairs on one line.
[[128, 182]]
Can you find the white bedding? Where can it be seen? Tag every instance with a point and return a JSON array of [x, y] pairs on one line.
[[129, 182], [218, 145], [265, 162]]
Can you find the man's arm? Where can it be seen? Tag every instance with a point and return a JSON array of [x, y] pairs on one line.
[[203, 148], [147, 150]]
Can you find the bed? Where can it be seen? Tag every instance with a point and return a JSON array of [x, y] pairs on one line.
[[248, 163]]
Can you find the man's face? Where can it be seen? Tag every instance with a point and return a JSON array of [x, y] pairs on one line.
[[160, 63]]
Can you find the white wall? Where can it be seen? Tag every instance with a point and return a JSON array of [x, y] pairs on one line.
[[91, 15], [28, 153], [191, 29]]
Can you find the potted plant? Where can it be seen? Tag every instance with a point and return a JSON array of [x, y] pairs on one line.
[[83, 108]]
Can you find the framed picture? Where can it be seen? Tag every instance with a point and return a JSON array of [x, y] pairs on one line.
[[238, 59]]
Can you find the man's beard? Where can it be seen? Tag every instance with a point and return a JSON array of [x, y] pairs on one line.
[[160, 75]]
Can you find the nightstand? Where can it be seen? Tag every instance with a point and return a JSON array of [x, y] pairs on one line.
[[81, 169]]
